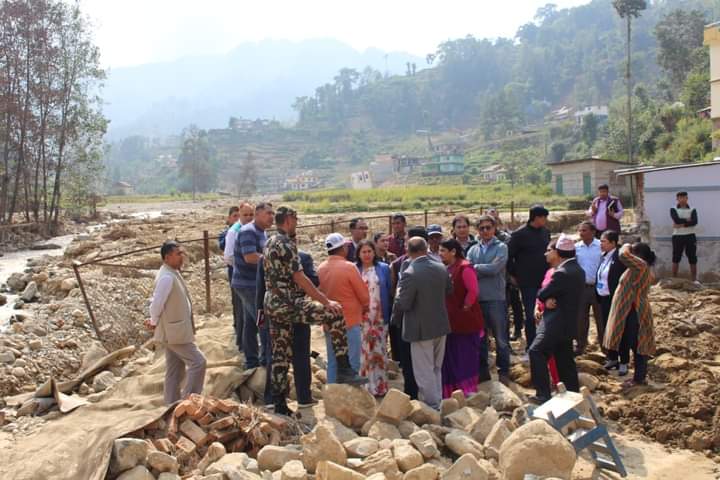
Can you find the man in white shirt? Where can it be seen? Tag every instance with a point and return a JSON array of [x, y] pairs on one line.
[[171, 319], [589, 256], [435, 237], [246, 214]]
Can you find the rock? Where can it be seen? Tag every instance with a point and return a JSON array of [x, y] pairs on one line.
[[127, 453], [381, 461], [361, 447], [16, 282], [230, 462], [422, 414], [162, 462], [502, 398], [40, 278], [423, 472], [293, 470], [137, 473], [272, 457], [496, 437], [699, 441], [7, 356], [465, 468], [30, 292], [321, 444], [407, 457], [459, 397], [395, 407], [35, 344], [463, 419], [669, 362], [538, 449], [407, 428], [103, 381], [424, 442], [461, 443], [376, 476], [487, 421], [519, 418], [343, 433], [448, 406], [68, 284], [381, 430], [3, 299], [589, 366], [351, 405], [589, 381], [170, 476], [215, 452], [332, 471], [480, 400]]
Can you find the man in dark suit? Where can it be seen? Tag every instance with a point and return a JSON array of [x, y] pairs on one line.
[[558, 326], [421, 299]]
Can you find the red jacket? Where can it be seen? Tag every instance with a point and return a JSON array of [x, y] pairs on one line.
[[461, 320]]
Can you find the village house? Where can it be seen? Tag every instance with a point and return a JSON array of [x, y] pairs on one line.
[[122, 189], [493, 174], [361, 180], [712, 40], [446, 159], [381, 169], [582, 176], [406, 165], [306, 180], [654, 195], [599, 112]]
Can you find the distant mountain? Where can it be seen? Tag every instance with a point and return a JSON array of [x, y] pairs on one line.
[[255, 80]]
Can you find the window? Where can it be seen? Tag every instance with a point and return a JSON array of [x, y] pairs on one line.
[[587, 184], [559, 184]]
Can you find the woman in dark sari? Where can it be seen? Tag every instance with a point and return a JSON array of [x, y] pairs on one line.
[[462, 345]]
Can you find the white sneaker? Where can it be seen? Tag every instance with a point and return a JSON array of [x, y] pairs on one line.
[[623, 370], [697, 283]]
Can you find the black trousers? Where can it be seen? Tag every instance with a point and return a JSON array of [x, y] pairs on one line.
[[546, 344], [513, 298], [401, 354], [629, 342], [300, 362]]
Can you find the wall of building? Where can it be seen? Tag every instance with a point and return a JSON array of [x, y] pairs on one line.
[[600, 172], [703, 186]]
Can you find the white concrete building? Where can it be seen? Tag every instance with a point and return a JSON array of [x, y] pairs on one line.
[[655, 190]]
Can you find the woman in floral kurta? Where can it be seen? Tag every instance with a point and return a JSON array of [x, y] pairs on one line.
[[373, 358]]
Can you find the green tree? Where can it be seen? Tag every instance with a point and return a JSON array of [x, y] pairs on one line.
[[557, 152], [589, 129], [696, 91], [198, 168], [680, 43], [246, 183], [629, 9]]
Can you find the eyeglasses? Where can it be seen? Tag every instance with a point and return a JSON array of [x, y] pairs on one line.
[[484, 228]]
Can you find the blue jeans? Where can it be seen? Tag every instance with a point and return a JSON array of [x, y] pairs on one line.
[[529, 295], [250, 331], [495, 315], [354, 338]]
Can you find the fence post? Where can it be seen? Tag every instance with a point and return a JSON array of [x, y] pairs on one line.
[[332, 226], [206, 254], [426, 218], [75, 266], [389, 224], [512, 212]]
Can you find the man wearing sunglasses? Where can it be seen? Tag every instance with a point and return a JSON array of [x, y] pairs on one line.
[[489, 258]]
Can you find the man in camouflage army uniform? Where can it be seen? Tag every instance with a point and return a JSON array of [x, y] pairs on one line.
[[291, 297]]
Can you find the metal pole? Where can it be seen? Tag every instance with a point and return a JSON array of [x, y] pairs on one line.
[[206, 253], [75, 266]]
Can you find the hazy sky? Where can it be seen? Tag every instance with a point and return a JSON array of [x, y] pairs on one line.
[[133, 32]]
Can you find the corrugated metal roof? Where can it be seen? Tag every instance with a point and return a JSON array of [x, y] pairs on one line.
[[649, 168]]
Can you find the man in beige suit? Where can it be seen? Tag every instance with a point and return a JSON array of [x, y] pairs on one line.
[[171, 318]]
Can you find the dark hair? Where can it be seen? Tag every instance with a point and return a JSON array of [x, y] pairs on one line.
[[538, 211], [399, 216], [644, 251], [460, 217], [282, 214], [233, 209], [485, 218], [603, 186], [168, 247], [354, 222], [453, 244], [589, 224], [611, 236], [418, 231], [263, 206], [681, 194], [378, 236], [335, 251], [366, 243], [417, 245]]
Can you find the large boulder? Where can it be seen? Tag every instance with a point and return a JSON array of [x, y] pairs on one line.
[[423, 472], [332, 471], [537, 449], [465, 468], [395, 407], [162, 462], [127, 453], [502, 398], [343, 433], [16, 282], [407, 457], [361, 447], [273, 457], [481, 429], [30, 292], [424, 442], [383, 462], [321, 444], [499, 433], [480, 400], [423, 414], [460, 443], [463, 419], [137, 473], [232, 462], [293, 470], [353, 406], [380, 430]]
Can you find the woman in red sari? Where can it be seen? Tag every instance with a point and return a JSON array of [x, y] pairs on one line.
[[462, 345]]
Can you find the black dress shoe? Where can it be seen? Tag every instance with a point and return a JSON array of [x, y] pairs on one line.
[[534, 399]]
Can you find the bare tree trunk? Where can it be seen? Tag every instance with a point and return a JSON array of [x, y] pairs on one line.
[[628, 79]]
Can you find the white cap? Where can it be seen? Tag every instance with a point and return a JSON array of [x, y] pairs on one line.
[[333, 241]]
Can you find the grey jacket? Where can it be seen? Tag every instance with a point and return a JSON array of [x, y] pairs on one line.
[[490, 269], [421, 300]]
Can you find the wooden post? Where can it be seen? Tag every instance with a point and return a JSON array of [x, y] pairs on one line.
[[75, 266], [426, 218], [332, 226], [389, 224], [206, 254], [512, 212]]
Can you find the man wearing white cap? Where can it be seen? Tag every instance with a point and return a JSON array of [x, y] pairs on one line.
[[554, 336], [340, 281]]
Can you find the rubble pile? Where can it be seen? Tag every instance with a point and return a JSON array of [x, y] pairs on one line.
[[354, 438]]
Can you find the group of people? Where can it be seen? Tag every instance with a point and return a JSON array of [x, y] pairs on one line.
[[434, 297]]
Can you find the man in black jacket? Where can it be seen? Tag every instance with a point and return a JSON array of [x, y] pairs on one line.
[[558, 325], [526, 263]]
